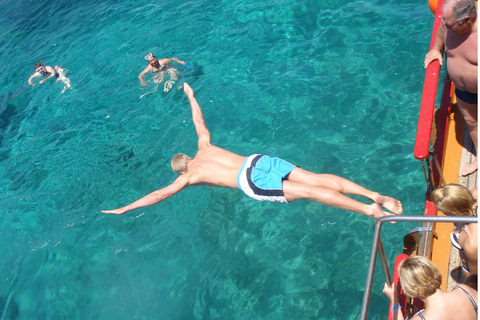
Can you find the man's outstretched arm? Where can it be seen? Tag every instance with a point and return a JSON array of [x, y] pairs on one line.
[[198, 120], [154, 197]]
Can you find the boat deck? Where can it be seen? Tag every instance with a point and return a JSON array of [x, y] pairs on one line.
[[459, 153]]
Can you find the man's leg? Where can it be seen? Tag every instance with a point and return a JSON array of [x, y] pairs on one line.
[[469, 112], [330, 189]]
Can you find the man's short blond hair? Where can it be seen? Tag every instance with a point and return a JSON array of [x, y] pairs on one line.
[[179, 162], [420, 277], [454, 199]]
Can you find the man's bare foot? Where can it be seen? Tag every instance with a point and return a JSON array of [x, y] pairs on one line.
[[391, 204], [188, 90], [471, 168], [375, 211]]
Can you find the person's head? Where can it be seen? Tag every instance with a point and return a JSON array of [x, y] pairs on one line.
[[459, 15], [39, 68], [179, 163], [454, 199], [420, 277], [152, 60]]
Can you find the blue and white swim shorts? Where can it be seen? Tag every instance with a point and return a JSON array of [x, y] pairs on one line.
[[261, 177]]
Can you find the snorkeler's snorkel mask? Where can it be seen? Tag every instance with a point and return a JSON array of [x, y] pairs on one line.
[[41, 69], [148, 56]]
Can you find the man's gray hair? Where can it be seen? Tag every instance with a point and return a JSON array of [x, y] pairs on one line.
[[462, 8]]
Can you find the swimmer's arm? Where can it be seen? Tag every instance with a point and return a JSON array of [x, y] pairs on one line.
[[140, 76], [154, 197], [178, 61], [437, 50], [36, 74], [167, 61]]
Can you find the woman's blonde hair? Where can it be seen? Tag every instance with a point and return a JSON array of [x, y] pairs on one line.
[[420, 277], [179, 162], [454, 199]]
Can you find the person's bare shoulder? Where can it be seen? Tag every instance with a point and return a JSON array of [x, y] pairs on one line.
[[470, 290]]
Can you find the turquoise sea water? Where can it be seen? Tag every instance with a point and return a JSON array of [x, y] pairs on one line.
[[333, 86]]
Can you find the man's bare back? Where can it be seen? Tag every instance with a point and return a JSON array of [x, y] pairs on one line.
[[214, 166]]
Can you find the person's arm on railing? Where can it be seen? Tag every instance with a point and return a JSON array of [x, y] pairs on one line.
[[436, 53], [392, 293]]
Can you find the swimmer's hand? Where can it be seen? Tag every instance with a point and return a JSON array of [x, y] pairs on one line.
[[116, 211], [43, 81], [31, 84]]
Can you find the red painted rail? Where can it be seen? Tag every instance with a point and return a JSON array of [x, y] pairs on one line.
[[425, 119], [424, 129]]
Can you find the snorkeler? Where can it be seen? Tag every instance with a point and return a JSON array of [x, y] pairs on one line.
[[57, 71], [159, 68]]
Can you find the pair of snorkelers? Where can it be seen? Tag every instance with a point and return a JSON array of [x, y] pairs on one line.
[[260, 177], [159, 69], [49, 72]]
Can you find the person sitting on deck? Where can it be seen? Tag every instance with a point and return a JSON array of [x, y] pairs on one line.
[[260, 177], [421, 279], [458, 32], [456, 200], [159, 68]]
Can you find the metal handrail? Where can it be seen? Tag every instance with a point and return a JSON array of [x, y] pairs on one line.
[[378, 247]]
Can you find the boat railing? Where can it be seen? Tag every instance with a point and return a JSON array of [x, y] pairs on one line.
[[432, 74], [431, 161], [377, 248]]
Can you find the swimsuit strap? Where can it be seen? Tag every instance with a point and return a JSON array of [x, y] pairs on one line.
[[419, 313], [469, 296], [454, 240]]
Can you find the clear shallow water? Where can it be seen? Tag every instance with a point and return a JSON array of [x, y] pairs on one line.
[[331, 86]]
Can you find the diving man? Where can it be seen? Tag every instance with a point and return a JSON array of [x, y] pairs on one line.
[[260, 177]]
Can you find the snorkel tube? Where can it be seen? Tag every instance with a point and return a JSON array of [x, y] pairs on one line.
[[43, 70]]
